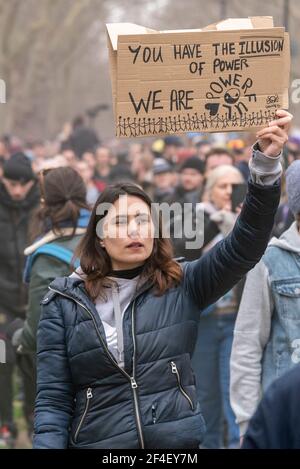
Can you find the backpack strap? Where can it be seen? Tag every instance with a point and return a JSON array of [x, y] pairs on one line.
[[52, 250]]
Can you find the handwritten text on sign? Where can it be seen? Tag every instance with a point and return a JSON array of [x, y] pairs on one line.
[[207, 85]]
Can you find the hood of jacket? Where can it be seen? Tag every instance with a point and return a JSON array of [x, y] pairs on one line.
[[289, 240]]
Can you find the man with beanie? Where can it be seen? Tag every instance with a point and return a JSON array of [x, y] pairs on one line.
[[188, 193], [19, 195], [191, 178], [267, 330]]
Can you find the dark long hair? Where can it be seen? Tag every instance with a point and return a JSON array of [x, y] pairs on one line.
[[160, 268], [63, 194]]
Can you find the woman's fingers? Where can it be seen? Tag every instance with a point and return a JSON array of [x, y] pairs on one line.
[[281, 122], [272, 138], [283, 112], [275, 138], [272, 130], [285, 119], [267, 130]]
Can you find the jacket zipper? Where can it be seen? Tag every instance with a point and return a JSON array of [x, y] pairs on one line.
[[89, 395], [134, 385], [176, 372], [131, 379], [153, 408]]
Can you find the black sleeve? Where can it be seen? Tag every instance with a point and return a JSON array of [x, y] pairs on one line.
[[210, 277]]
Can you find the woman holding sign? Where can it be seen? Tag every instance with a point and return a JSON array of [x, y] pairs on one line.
[[115, 338]]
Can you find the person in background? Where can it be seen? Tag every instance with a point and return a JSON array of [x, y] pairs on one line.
[[192, 174], [70, 157], [215, 157], [267, 331], [4, 153], [283, 219], [82, 138], [191, 177], [293, 149], [15, 144], [121, 171], [202, 148], [184, 154], [276, 422], [242, 155], [86, 172], [134, 151], [103, 167], [157, 148], [19, 196], [38, 154], [63, 137], [58, 226], [141, 168], [187, 193], [90, 158], [163, 180], [172, 143]]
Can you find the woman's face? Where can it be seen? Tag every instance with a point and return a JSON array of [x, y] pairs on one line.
[[220, 194], [128, 233]]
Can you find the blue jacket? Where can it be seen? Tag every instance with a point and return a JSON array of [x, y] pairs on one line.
[[276, 423], [282, 259], [85, 400]]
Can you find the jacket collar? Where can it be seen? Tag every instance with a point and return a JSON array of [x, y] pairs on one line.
[[74, 288]]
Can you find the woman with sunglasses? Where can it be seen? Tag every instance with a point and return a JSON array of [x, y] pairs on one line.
[[115, 338]]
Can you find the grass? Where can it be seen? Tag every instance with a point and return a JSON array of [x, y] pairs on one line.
[[23, 441]]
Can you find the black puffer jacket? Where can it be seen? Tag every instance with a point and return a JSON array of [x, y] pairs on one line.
[[85, 400], [14, 224]]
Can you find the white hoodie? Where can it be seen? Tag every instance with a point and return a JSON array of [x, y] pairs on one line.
[[118, 294]]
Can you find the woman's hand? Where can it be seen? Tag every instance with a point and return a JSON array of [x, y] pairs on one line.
[[272, 139]]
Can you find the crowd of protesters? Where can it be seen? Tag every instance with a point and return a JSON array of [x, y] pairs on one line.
[[47, 190]]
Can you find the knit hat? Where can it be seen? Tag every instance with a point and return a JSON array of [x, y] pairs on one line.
[[194, 163], [293, 186], [173, 140], [18, 168], [160, 165]]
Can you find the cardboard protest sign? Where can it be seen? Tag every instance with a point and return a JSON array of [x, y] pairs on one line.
[[232, 75]]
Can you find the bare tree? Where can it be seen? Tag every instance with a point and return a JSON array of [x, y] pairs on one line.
[[54, 60]]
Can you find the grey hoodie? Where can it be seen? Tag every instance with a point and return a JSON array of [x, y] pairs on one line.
[[252, 332]]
